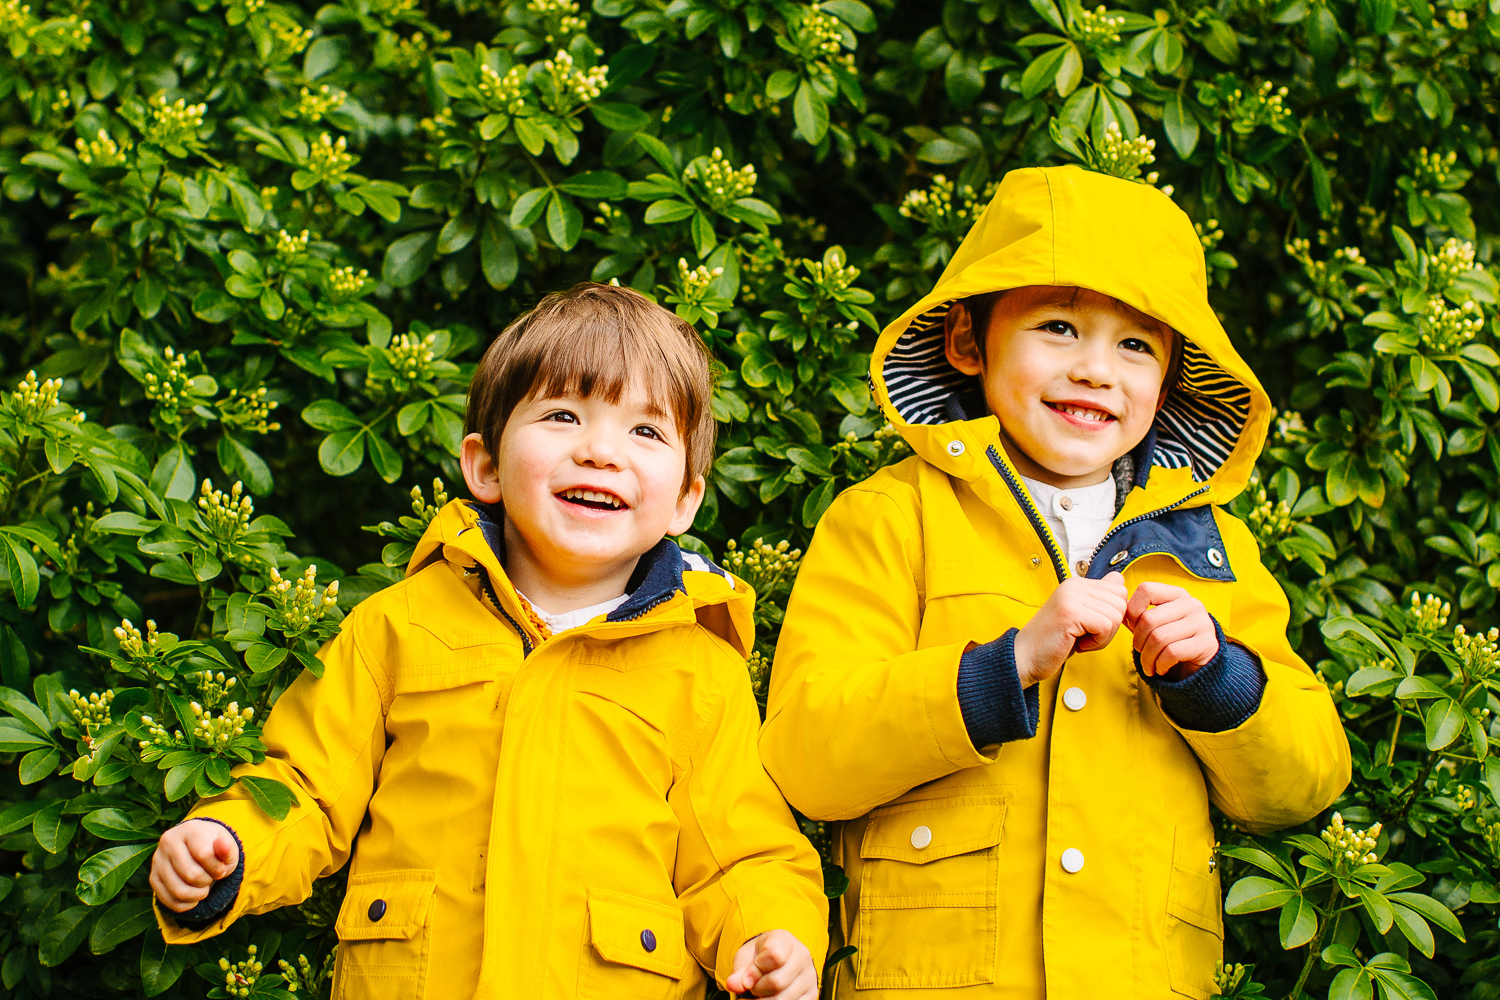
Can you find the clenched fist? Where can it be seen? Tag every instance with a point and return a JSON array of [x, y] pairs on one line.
[[189, 859], [1081, 616], [1174, 633]]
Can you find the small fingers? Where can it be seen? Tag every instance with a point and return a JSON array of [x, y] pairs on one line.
[[179, 856], [1156, 658], [1147, 594], [174, 893]]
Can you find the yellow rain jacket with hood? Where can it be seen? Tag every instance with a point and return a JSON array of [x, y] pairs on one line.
[[581, 816], [1079, 862]]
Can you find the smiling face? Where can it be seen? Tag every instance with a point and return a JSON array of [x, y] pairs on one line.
[[588, 486], [1074, 377]]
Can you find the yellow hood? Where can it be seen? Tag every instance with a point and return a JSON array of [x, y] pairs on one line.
[[1073, 227]]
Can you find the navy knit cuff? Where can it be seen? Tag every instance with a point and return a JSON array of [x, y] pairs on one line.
[[1218, 696], [995, 708], [221, 895]]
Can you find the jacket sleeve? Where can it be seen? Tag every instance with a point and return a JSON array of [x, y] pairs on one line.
[[324, 739], [743, 867], [858, 714], [1290, 759]]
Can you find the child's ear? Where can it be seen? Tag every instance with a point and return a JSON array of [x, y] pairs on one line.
[[961, 341], [687, 507], [480, 473]]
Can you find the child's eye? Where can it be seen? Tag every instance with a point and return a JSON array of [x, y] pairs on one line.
[[1059, 327], [562, 416], [1136, 344], [647, 430]]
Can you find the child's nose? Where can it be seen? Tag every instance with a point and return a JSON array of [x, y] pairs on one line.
[[597, 449], [1093, 367]]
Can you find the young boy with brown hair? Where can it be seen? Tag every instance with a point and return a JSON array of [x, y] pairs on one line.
[[539, 748], [1026, 660]]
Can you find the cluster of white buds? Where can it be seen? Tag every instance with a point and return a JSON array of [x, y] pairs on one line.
[[135, 645], [172, 123], [16, 19], [303, 976], [291, 39], [313, 105], [1480, 653], [169, 389], [1121, 157], [1227, 977], [1491, 833], [248, 412], [571, 84], [1209, 233], [1429, 615], [1464, 798], [217, 730], [420, 507], [288, 245], [226, 515], [1349, 844], [346, 282], [102, 151], [439, 123], [250, 6], [821, 34], [1290, 427], [836, 277], [213, 687], [1266, 106], [1453, 260], [1096, 27], [32, 399], [159, 737], [239, 978], [721, 182], [762, 566], [1270, 521], [301, 603], [1431, 171], [503, 93], [759, 666], [944, 207], [410, 53], [411, 355], [91, 712], [390, 11], [694, 281], [1350, 255], [1446, 330], [887, 433], [1318, 272], [1458, 20], [329, 161]]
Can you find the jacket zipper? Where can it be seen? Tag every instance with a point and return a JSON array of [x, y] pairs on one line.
[[489, 591], [641, 613], [1059, 565], [1024, 499]]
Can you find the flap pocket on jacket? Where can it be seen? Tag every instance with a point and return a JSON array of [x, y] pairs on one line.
[[386, 906], [919, 832], [1195, 898], [1194, 932], [630, 931]]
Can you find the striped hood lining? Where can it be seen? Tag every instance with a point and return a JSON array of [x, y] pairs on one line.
[[1197, 429]]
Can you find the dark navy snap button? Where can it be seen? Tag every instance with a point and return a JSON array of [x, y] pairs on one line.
[[377, 909], [648, 940]]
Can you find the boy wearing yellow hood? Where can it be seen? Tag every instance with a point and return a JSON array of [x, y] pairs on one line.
[[1024, 784]]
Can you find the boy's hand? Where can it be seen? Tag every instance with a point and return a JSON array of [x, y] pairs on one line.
[[1174, 633], [1080, 616], [189, 859], [774, 964]]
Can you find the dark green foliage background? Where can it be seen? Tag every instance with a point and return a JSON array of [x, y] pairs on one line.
[[161, 163]]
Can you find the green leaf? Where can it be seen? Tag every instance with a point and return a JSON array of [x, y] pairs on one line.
[[1254, 893], [457, 233], [595, 184], [1432, 910], [408, 258], [1181, 125], [161, 963], [62, 935], [111, 823], [275, 799], [322, 56], [1445, 721], [1298, 923], [102, 876], [669, 210], [120, 923], [620, 117], [385, 458], [329, 415], [497, 255], [51, 829], [38, 765], [342, 452], [529, 208], [853, 13], [811, 114], [173, 476], [564, 221]]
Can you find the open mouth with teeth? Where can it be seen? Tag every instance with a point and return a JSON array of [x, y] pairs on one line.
[[1084, 413], [593, 499]]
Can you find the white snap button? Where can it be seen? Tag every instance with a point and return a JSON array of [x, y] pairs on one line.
[[921, 837], [1082, 567], [1216, 557], [1066, 503], [1075, 699], [955, 448], [1119, 557], [1072, 860]]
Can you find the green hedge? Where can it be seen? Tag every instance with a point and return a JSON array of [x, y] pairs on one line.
[[262, 243]]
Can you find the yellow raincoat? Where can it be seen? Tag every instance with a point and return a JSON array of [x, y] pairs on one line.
[[958, 882], [589, 820]]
